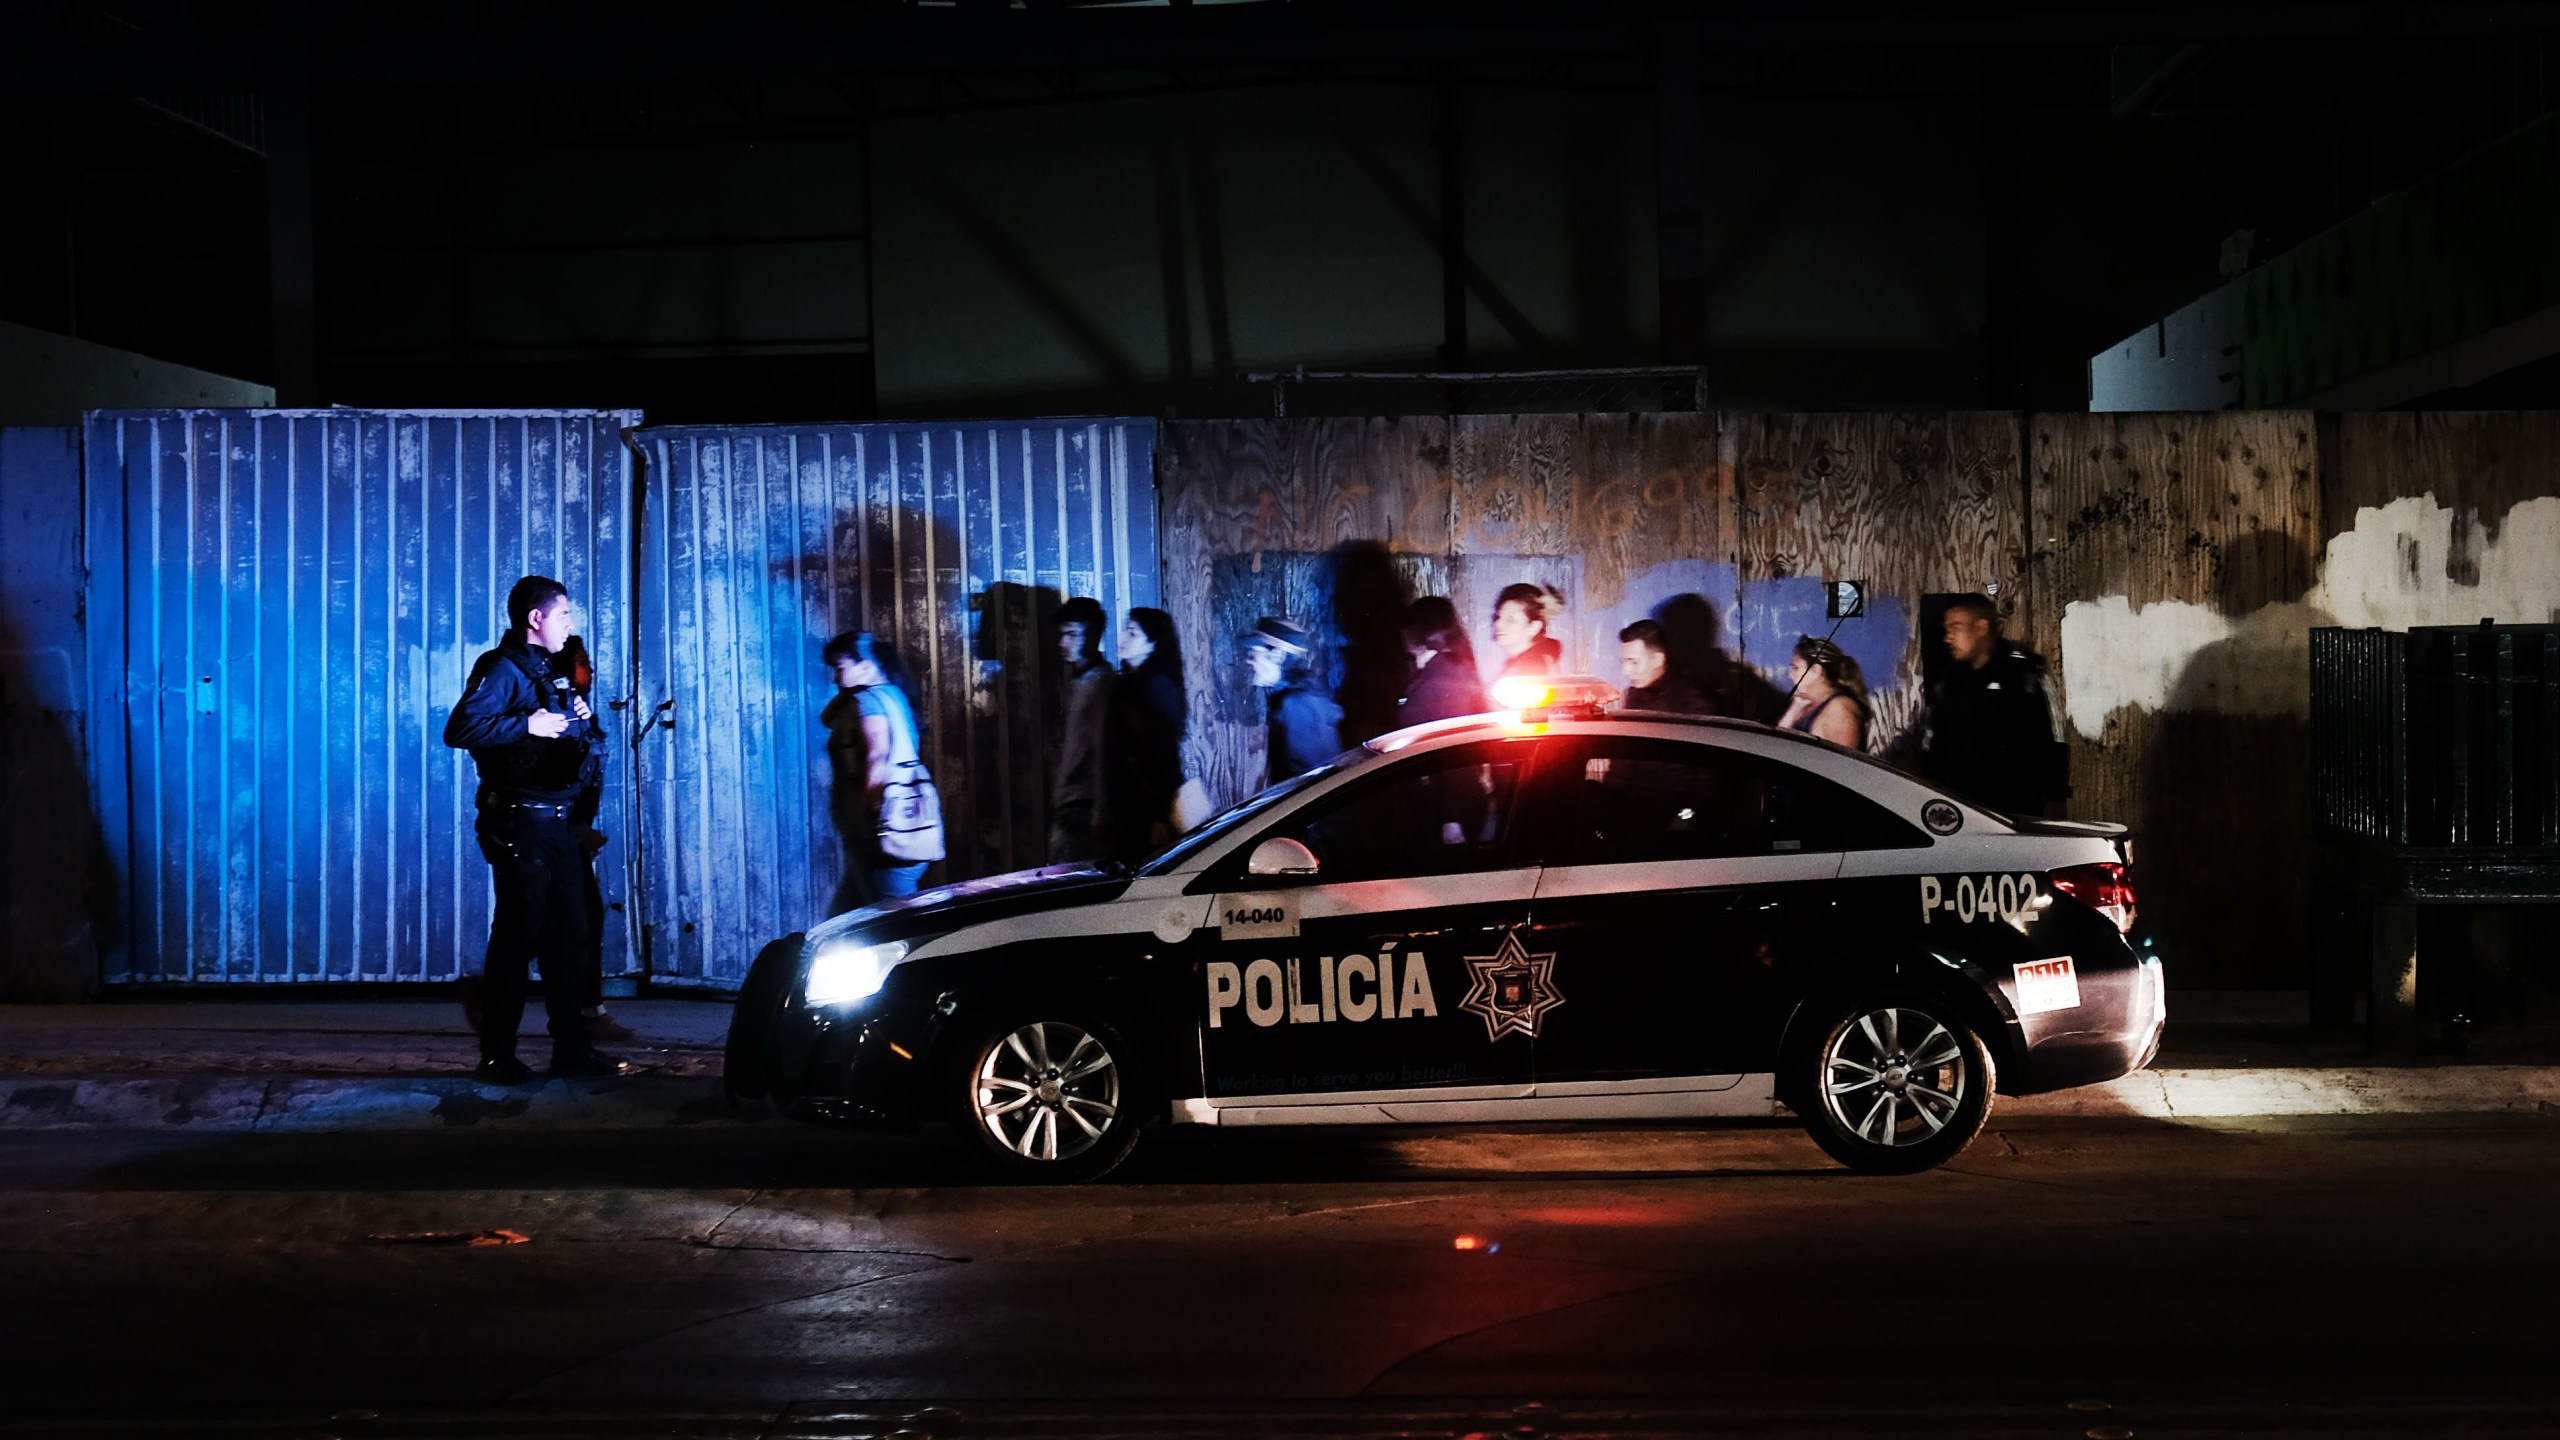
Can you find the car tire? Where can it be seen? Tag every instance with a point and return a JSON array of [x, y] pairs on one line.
[[1894, 1083], [1050, 1093]]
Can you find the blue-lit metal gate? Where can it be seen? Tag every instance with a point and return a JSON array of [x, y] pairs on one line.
[[955, 541], [282, 607]]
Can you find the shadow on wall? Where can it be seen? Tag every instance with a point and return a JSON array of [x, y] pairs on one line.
[[56, 884], [1351, 598], [1370, 669], [2222, 829], [1694, 641], [1020, 683], [982, 674]]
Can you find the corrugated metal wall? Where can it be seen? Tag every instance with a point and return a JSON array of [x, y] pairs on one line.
[[954, 540], [284, 605]]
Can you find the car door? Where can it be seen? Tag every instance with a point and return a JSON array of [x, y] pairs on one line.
[[1358, 981], [1685, 885]]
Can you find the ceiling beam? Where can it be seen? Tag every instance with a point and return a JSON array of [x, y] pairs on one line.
[[188, 49]]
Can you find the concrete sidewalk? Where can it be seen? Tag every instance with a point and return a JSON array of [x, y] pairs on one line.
[[286, 1064], [289, 1064]]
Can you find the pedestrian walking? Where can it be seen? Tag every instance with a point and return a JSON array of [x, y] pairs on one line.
[[1304, 721], [1829, 696], [1651, 682], [897, 831], [1150, 711], [1989, 732], [1446, 683], [848, 777], [533, 741], [1079, 823], [1523, 630]]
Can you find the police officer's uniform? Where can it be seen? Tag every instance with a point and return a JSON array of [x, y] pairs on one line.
[[528, 788], [1990, 733]]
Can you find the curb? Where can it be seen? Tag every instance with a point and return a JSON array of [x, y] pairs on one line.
[[289, 1106], [319, 1106], [2238, 1094]]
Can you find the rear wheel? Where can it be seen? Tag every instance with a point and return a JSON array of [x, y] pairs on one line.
[[1898, 1083], [1052, 1095]]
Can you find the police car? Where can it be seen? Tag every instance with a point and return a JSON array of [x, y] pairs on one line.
[[1560, 912]]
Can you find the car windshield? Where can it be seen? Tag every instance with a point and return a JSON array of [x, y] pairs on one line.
[[1224, 823]]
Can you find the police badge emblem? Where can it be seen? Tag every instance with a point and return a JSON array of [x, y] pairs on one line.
[[1511, 990]]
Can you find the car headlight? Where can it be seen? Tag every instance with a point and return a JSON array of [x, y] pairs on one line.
[[841, 971]]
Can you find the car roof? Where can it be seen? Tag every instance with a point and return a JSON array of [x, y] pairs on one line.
[[1839, 762], [1869, 775], [1601, 722]]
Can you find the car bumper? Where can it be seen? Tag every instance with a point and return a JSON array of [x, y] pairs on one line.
[[848, 1064], [2114, 1031]]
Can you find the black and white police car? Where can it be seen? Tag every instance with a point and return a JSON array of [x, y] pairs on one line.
[[1556, 913]]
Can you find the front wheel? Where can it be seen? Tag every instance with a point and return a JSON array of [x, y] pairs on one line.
[[1898, 1083], [1052, 1096]]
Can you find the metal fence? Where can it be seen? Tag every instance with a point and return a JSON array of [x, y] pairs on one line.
[[283, 607], [2439, 736], [953, 542]]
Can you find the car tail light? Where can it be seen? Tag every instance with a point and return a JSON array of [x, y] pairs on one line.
[[2106, 887]]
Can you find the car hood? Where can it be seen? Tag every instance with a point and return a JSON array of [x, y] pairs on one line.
[[946, 908]]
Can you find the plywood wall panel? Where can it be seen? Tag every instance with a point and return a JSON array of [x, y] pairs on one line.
[[2175, 553], [2443, 518], [1257, 518], [1351, 517], [2483, 462]]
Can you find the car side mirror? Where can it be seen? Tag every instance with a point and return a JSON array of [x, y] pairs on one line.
[[1281, 855]]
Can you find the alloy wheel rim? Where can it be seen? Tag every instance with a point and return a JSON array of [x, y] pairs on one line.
[[1048, 1091], [1894, 1076]]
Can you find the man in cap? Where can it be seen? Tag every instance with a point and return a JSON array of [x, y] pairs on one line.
[[1306, 722]]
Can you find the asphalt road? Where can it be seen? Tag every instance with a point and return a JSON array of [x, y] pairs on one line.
[[2330, 1277]]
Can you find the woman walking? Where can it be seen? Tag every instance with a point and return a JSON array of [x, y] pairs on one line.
[[1150, 711], [1446, 683], [1829, 701], [897, 829]]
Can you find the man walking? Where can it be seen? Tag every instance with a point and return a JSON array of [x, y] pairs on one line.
[[1990, 735], [1079, 826], [1651, 684], [536, 745]]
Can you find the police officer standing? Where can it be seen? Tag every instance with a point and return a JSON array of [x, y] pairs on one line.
[[537, 745], [1991, 733]]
